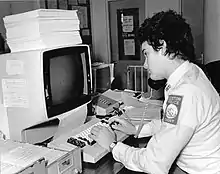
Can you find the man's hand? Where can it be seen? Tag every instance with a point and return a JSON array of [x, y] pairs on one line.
[[122, 125], [104, 136]]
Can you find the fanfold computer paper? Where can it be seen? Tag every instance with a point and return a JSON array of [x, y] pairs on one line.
[[42, 28]]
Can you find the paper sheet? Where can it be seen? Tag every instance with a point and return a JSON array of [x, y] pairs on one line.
[[14, 67], [15, 93], [115, 95]]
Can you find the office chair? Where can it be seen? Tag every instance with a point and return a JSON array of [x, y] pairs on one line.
[[213, 71]]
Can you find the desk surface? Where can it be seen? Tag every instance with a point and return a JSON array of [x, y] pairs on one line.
[[107, 165]]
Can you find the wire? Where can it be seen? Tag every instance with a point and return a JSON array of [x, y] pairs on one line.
[[126, 116], [151, 93], [141, 122]]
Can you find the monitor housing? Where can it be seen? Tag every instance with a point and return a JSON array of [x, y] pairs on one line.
[[44, 92]]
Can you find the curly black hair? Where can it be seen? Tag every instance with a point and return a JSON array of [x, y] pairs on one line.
[[173, 29]]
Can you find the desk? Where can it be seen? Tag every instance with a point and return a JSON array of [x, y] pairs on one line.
[[108, 165]]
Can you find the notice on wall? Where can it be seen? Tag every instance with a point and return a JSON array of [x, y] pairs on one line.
[[129, 47], [15, 93], [14, 67], [128, 24]]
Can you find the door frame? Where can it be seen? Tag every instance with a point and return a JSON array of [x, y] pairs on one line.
[[108, 26], [108, 30]]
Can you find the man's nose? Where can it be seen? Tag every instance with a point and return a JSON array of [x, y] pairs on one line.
[[145, 64]]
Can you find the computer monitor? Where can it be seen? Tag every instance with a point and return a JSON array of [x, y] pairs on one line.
[[44, 91]]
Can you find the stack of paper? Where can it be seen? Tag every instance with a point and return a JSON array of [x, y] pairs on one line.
[[42, 28]]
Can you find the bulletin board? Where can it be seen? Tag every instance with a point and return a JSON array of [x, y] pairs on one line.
[[83, 11], [128, 25]]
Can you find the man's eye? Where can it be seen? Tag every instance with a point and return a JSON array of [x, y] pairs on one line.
[[145, 54]]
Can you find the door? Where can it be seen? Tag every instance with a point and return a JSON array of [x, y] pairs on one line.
[[125, 17]]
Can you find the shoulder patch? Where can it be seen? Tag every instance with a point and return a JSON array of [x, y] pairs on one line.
[[173, 106]]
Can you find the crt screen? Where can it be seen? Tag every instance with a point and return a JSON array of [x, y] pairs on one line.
[[66, 78]]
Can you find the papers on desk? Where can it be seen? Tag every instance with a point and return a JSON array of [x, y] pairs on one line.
[[134, 107], [152, 112], [115, 95], [129, 100], [127, 97], [137, 107], [42, 28]]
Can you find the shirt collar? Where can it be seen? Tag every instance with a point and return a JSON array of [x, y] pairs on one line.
[[176, 75]]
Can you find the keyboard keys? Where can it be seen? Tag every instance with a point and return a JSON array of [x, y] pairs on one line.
[[76, 142], [82, 139]]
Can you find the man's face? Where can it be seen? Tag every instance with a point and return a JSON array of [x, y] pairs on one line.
[[153, 61]]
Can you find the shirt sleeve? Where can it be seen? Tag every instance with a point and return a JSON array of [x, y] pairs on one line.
[[163, 147], [160, 153]]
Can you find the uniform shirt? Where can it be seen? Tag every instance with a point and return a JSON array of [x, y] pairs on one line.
[[189, 131]]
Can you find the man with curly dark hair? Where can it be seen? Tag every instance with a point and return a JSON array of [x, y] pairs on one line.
[[188, 135]]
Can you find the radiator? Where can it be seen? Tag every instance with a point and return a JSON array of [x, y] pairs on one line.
[[137, 78]]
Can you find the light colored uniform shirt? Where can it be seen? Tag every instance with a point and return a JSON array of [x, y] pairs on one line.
[[189, 131]]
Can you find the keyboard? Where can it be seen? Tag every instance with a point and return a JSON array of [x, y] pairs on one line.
[[91, 151]]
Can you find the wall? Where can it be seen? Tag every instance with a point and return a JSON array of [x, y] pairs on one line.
[[153, 6], [100, 25], [14, 7], [193, 11], [211, 31], [4, 11]]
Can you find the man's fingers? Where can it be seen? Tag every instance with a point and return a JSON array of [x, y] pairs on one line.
[[117, 119], [92, 136], [94, 130], [118, 127]]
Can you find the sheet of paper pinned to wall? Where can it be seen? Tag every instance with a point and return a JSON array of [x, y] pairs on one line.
[[129, 47], [14, 67], [128, 24], [15, 93]]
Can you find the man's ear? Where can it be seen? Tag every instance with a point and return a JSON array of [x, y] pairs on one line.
[[163, 47]]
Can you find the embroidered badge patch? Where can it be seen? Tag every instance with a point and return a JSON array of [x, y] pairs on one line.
[[172, 109]]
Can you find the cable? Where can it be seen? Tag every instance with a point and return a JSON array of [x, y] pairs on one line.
[[151, 93], [141, 122]]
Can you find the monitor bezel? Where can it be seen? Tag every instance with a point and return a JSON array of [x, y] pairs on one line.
[[54, 110]]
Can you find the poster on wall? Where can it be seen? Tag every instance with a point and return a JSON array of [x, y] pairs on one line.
[[129, 47], [128, 25]]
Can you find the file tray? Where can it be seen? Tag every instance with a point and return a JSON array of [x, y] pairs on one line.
[[37, 167], [24, 155]]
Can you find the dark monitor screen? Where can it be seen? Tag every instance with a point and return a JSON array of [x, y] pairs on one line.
[[65, 78]]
